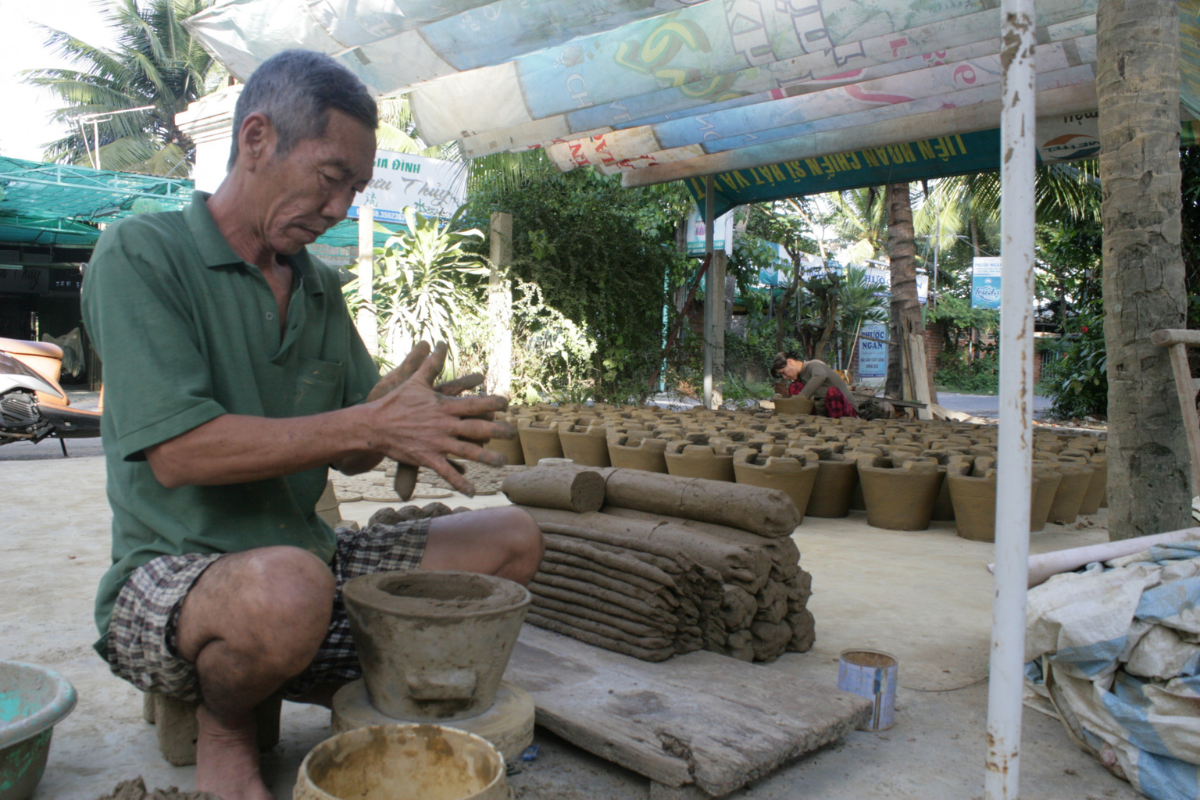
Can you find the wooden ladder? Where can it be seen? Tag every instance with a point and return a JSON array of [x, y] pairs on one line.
[[1186, 387]]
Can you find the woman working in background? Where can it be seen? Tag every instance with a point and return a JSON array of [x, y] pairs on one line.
[[817, 381]]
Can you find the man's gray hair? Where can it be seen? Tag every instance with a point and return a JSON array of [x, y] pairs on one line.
[[296, 89]]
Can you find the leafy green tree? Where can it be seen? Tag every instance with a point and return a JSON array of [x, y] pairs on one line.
[[156, 62], [603, 256], [789, 224], [428, 282]]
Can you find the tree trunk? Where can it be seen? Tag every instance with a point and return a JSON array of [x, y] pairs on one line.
[[1149, 473], [905, 307]]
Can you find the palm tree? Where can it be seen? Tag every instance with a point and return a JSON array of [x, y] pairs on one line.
[[156, 63], [1138, 84]]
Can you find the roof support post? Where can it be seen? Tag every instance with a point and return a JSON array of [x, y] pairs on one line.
[[709, 286], [366, 322], [1015, 448], [499, 294]]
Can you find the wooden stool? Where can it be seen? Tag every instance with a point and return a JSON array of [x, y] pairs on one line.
[[178, 730]]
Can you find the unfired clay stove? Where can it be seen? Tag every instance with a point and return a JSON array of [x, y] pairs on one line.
[[433, 647]]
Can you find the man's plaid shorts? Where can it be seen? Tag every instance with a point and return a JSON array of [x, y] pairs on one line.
[[141, 635]]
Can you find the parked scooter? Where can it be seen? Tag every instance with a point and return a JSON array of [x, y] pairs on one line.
[[33, 406]]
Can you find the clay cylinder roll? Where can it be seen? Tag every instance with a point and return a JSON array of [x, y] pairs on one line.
[[899, 498], [792, 475], [551, 487], [833, 488], [1076, 479], [767, 512], [586, 447], [434, 644]]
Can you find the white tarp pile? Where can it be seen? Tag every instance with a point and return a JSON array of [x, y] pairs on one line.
[[1115, 650]]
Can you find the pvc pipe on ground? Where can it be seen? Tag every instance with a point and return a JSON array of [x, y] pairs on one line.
[[1014, 479], [1045, 566]]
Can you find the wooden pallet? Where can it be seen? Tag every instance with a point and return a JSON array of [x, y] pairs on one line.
[[699, 725]]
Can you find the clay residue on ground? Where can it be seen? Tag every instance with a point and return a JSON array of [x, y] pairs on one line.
[[136, 790]]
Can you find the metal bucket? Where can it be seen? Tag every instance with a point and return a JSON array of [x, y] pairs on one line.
[[402, 762], [871, 674]]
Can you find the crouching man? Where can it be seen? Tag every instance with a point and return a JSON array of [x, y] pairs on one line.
[[234, 378]]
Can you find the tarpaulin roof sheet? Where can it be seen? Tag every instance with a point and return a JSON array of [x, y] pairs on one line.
[[62, 204], [666, 89]]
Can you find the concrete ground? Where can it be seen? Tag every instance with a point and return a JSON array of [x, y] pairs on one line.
[[987, 405], [925, 597]]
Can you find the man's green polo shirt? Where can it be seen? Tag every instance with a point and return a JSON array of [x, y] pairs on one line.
[[188, 331]]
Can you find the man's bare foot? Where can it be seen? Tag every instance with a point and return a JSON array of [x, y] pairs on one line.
[[227, 760]]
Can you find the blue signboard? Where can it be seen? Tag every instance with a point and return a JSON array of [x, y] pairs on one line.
[[872, 355], [985, 283]]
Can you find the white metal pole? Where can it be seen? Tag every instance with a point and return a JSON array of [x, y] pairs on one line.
[[96, 139], [710, 307], [366, 320], [1015, 446]]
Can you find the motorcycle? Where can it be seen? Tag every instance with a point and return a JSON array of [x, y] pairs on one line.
[[33, 406]]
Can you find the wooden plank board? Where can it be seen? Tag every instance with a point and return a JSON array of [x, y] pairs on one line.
[[920, 373], [702, 718], [1186, 391]]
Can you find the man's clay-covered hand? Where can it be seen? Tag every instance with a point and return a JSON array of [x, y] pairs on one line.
[[419, 425]]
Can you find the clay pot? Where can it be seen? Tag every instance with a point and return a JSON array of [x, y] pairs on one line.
[[974, 506], [402, 762], [1069, 497], [790, 473], [793, 405], [510, 448], [899, 498], [1097, 487], [588, 448], [1045, 487], [646, 455], [833, 490], [434, 644], [541, 442], [698, 461]]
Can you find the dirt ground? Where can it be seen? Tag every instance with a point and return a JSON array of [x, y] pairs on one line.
[[926, 597]]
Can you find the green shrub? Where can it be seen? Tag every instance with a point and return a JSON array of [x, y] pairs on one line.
[[1079, 380], [981, 376]]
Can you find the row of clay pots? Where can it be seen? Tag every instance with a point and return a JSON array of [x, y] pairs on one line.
[[813, 459], [1061, 493]]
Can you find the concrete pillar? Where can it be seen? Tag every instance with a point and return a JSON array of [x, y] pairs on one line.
[[208, 122], [368, 326], [499, 373]]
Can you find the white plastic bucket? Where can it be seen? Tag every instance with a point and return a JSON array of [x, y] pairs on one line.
[[871, 674]]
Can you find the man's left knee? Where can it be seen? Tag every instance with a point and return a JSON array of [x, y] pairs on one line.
[[523, 542]]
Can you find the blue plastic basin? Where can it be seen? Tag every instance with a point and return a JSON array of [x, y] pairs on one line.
[[32, 700]]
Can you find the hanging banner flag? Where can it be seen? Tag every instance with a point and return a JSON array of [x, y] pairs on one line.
[[872, 355], [722, 233], [433, 186], [985, 283]]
